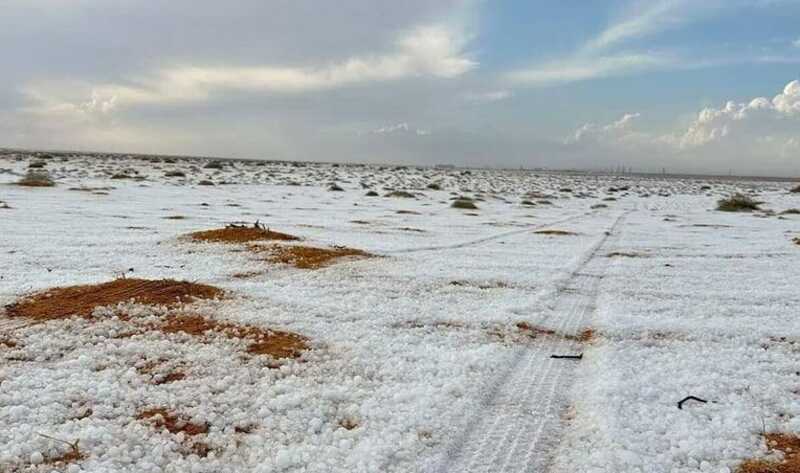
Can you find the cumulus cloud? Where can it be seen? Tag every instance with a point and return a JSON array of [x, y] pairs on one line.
[[760, 131], [620, 130], [781, 114]]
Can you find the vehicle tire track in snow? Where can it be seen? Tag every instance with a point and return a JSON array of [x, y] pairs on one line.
[[478, 241], [519, 422]]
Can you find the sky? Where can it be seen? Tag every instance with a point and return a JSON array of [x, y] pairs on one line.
[[709, 86]]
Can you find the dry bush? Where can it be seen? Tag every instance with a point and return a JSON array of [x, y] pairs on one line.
[[81, 300], [36, 179], [234, 233], [401, 194], [737, 203], [464, 204]]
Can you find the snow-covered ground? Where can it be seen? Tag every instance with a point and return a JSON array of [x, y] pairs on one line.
[[415, 354]]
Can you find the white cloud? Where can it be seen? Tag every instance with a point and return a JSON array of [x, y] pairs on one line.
[[432, 51], [584, 68], [796, 43], [759, 114], [759, 128], [657, 16], [488, 97], [618, 130], [400, 128]]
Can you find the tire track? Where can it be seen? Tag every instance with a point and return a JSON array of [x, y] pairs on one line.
[[519, 421], [478, 241]]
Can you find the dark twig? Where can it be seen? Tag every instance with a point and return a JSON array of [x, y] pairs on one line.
[[690, 398], [567, 357]]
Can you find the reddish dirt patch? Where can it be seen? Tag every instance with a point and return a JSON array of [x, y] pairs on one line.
[[788, 444], [240, 234], [532, 330], [275, 343], [586, 336], [81, 300], [7, 342], [308, 257], [161, 418]]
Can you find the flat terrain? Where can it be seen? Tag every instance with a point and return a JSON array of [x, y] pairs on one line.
[[354, 319]]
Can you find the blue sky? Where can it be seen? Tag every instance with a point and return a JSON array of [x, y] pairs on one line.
[[571, 84]]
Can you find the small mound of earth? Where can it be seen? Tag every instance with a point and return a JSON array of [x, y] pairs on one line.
[[787, 444], [309, 257], [82, 300], [240, 234], [275, 343]]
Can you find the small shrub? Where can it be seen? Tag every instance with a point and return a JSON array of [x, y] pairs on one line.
[[737, 203], [434, 186], [400, 194], [36, 179], [463, 204], [213, 165], [795, 189], [174, 174], [37, 165], [205, 182], [371, 194], [335, 188]]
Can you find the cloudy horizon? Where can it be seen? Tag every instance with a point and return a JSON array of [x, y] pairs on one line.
[[711, 87]]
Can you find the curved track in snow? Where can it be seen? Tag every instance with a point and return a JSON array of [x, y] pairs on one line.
[[478, 241]]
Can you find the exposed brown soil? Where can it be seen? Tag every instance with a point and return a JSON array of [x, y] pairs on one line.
[[586, 336], [170, 378], [787, 444], [81, 300], [71, 456], [555, 232], [275, 343], [534, 331], [240, 234], [161, 418], [7, 342], [309, 257]]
